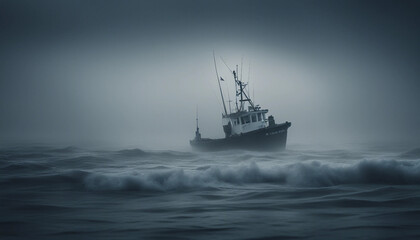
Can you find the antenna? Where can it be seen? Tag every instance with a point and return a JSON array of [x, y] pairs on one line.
[[197, 132], [196, 115], [218, 81]]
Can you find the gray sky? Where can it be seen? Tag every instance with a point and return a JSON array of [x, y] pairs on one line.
[[131, 73]]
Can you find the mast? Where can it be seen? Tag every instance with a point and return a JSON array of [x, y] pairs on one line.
[[197, 131], [230, 108], [220, 87], [196, 116], [241, 92], [240, 87]]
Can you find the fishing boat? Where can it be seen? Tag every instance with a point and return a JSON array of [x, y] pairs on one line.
[[247, 127]]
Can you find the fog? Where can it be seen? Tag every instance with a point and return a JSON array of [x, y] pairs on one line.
[[128, 73]]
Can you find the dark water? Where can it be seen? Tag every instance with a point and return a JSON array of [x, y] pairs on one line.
[[72, 193]]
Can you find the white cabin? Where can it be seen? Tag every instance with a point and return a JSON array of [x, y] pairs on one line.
[[244, 121]]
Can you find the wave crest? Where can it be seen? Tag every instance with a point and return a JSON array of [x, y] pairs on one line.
[[363, 172], [313, 174], [303, 174]]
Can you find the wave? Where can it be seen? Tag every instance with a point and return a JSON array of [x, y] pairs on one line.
[[25, 167], [73, 178], [412, 154], [35, 152], [140, 153], [69, 149], [132, 153], [305, 174], [390, 172], [24, 156], [313, 174]]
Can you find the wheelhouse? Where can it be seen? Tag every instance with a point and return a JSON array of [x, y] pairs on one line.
[[244, 121]]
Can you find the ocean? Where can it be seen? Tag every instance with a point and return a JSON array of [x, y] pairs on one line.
[[300, 193]]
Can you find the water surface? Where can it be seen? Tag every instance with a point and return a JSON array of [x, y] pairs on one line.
[[76, 193]]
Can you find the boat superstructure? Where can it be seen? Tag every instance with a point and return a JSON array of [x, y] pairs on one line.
[[248, 127], [243, 120]]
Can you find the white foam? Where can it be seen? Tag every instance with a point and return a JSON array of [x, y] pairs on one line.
[[307, 174]]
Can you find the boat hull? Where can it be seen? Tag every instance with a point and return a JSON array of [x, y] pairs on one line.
[[271, 138]]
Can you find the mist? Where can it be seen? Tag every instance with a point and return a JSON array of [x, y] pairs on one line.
[[133, 73]]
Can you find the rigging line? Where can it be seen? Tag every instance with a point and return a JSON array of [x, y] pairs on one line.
[[249, 100], [249, 70], [249, 76], [236, 97], [230, 109], [247, 82], [247, 89], [226, 65], [214, 93], [218, 81], [211, 86], [242, 60]]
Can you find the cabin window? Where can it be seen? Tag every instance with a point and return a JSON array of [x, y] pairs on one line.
[[254, 117], [264, 116], [245, 119], [259, 117], [237, 121]]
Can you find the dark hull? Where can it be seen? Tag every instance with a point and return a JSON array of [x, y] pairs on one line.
[[270, 138]]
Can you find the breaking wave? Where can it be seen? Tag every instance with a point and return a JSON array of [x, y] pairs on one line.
[[313, 174], [151, 192], [80, 171]]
